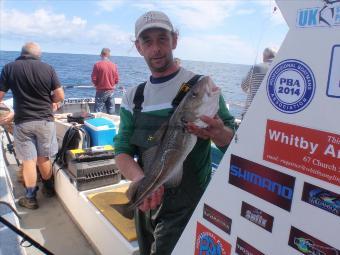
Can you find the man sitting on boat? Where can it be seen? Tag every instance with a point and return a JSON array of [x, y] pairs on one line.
[[35, 87]]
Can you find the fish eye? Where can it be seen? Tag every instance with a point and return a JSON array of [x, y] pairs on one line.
[[194, 94]]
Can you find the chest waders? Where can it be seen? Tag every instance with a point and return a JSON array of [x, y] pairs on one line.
[[158, 230]]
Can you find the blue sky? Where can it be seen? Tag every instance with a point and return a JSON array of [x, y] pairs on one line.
[[228, 31]]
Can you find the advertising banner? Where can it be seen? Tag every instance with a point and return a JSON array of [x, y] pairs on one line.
[[311, 152], [277, 188]]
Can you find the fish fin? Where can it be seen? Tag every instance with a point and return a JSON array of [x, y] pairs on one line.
[[158, 135], [176, 177], [150, 154], [148, 159], [125, 210], [132, 190]]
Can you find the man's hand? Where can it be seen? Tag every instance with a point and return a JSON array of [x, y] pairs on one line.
[[152, 201], [216, 131], [55, 106]]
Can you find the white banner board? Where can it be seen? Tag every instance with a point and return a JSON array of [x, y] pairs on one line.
[[277, 189]]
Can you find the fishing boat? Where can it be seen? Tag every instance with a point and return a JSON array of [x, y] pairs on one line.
[[79, 220], [73, 222]]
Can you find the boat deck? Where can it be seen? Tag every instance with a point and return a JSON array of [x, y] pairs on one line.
[[50, 225], [67, 223]]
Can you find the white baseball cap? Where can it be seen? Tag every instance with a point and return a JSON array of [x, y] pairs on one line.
[[152, 19]]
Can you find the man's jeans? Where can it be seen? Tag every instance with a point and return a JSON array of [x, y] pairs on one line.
[[104, 98]]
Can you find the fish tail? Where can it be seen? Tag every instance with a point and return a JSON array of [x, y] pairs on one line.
[[126, 210], [132, 190]]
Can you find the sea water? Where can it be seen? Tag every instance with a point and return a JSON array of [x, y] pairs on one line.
[[74, 72]]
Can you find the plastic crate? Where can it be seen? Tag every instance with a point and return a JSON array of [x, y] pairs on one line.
[[101, 131]]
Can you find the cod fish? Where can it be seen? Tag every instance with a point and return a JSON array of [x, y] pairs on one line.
[[163, 163]]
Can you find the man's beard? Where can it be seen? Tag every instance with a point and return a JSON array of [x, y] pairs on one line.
[[160, 69]]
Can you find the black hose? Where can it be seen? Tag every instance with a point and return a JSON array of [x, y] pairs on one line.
[[11, 147], [21, 233]]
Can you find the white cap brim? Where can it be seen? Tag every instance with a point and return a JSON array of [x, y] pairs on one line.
[[153, 25]]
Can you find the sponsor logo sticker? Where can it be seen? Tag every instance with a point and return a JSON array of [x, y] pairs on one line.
[[273, 186], [218, 219], [290, 86], [257, 216], [243, 248], [208, 243], [307, 244], [312, 152], [333, 85], [321, 198], [327, 15]]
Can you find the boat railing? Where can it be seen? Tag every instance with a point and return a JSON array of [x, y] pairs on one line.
[[72, 105]]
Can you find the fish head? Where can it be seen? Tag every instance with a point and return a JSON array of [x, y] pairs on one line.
[[202, 99]]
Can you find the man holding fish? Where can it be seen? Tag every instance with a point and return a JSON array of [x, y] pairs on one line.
[[168, 124]]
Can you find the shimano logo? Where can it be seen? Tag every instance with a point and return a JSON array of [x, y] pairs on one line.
[[262, 182]]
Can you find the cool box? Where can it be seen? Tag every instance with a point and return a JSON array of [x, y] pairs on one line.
[[101, 130]]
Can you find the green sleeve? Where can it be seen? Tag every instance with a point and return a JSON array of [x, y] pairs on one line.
[[226, 117], [126, 128]]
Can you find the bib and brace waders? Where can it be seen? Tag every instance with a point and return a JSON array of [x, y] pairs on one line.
[[158, 230]]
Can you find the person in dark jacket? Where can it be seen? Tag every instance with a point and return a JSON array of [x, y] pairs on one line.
[[36, 89]]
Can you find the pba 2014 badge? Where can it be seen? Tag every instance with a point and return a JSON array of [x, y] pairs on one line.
[[291, 86]]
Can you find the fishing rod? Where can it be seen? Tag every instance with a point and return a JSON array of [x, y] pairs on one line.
[[10, 147], [265, 21], [120, 87], [77, 86], [248, 80]]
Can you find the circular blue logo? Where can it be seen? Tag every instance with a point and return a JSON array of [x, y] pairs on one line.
[[291, 86]]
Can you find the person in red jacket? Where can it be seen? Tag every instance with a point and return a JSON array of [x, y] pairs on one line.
[[104, 77]]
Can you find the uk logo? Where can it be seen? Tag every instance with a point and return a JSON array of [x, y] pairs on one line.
[[291, 86], [326, 16]]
